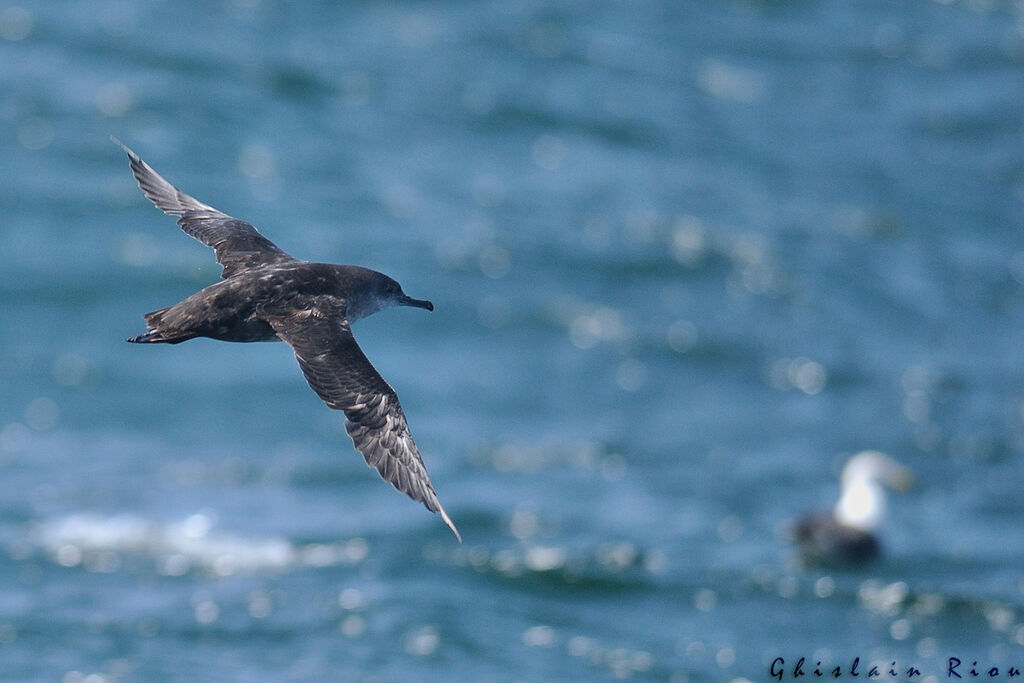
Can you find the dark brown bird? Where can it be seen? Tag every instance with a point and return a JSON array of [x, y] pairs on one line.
[[267, 295]]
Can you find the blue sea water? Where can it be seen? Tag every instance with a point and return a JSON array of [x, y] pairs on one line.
[[686, 258]]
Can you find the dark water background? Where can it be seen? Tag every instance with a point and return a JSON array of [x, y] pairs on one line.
[[686, 258]]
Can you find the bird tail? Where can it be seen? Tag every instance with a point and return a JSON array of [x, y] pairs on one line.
[[148, 337], [155, 335]]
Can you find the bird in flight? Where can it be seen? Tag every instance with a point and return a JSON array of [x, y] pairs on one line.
[[267, 295]]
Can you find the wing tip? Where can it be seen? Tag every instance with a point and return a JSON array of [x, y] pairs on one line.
[[448, 521], [164, 196], [131, 155]]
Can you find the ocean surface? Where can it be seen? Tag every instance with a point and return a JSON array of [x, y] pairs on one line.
[[686, 257]]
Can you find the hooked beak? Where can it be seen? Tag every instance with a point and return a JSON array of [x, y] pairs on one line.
[[418, 303]]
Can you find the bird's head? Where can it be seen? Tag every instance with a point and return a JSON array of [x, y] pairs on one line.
[[375, 291], [862, 501]]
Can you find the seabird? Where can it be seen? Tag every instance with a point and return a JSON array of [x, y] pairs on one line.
[[267, 295], [847, 534]]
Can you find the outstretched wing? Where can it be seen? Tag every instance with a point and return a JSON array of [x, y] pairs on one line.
[[344, 378], [237, 244]]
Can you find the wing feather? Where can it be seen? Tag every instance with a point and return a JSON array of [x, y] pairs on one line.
[[341, 374], [237, 245]]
